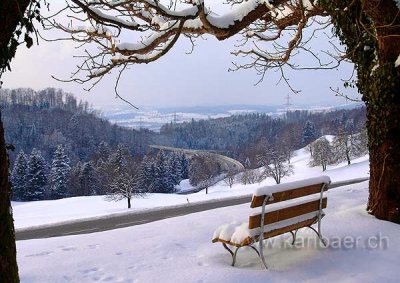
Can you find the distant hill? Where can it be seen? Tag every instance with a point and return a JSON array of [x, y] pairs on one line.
[[50, 117], [154, 118], [47, 118]]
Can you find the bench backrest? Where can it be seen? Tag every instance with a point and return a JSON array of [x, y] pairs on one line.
[[289, 191]]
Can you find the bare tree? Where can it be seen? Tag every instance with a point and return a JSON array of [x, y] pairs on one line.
[[230, 178], [344, 146], [203, 170], [274, 32], [361, 142], [123, 186], [249, 175], [274, 163], [323, 154], [286, 144]]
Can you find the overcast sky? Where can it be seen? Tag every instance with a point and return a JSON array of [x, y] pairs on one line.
[[178, 79]]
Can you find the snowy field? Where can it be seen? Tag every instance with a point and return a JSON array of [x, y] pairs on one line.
[[28, 214], [361, 249]]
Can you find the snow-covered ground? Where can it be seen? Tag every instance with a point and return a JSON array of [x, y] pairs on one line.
[[27, 214], [361, 249]]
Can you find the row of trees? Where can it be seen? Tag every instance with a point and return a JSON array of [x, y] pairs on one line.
[[65, 121], [241, 136], [43, 99], [162, 172], [274, 158], [344, 147], [109, 172], [32, 179], [65, 176]]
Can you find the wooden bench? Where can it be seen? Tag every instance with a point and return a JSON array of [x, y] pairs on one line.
[[284, 208]]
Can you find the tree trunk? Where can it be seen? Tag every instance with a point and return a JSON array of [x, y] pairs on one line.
[[383, 132], [370, 29], [348, 157], [383, 113], [8, 261], [129, 202], [11, 12]]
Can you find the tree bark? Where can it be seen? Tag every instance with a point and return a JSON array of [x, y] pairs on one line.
[[8, 261], [382, 98], [11, 12], [383, 131], [129, 202]]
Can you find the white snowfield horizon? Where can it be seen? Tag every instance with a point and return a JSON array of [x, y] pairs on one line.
[[29, 215]]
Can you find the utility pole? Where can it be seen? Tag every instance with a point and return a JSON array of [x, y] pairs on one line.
[[288, 102], [140, 123]]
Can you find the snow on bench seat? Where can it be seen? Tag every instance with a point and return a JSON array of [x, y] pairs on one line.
[[239, 235]]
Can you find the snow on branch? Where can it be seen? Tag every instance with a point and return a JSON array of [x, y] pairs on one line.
[[130, 32]]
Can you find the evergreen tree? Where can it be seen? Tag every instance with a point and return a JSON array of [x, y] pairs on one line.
[[144, 174], [247, 163], [59, 174], [163, 182], [73, 183], [103, 151], [184, 165], [309, 132], [18, 177], [36, 176], [175, 168], [119, 158], [88, 181]]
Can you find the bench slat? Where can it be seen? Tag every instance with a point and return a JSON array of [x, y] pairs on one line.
[[286, 213], [257, 201], [289, 228]]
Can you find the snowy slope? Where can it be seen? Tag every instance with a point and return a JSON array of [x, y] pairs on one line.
[[29, 214], [180, 250]]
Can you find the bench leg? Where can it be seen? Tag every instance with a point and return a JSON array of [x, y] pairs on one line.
[[262, 253], [294, 234], [254, 249], [319, 235], [234, 254]]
